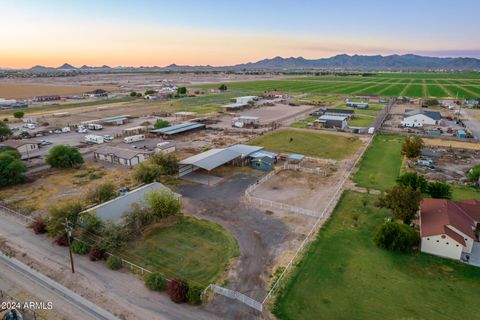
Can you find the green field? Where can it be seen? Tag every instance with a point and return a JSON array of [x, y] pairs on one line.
[[343, 275], [465, 85], [361, 121], [197, 251], [464, 193], [381, 163], [373, 108], [305, 123], [309, 143]]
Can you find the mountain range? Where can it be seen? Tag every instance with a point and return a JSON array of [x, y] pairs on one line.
[[406, 62]]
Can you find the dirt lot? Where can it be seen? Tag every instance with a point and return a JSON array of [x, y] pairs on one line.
[[451, 143], [24, 90], [299, 189]]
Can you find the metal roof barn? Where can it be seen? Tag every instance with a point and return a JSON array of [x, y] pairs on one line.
[[114, 209], [244, 150], [211, 159], [178, 128]]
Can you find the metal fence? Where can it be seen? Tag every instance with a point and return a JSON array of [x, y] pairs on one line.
[[237, 296]]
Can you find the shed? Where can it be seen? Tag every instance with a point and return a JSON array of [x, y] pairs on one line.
[[263, 163], [27, 148], [328, 121], [179, 128], [295, 158], [461, 134], [115, 209], [165, 147]]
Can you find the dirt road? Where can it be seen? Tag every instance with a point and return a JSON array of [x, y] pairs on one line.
[[117, 292]]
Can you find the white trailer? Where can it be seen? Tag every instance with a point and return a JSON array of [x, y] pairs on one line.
[[91, 138], [131, 139], [94, 126]]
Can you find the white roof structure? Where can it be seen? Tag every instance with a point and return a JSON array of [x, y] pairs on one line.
[[248, 118], [244, 150], [327, 117], [211, 159]]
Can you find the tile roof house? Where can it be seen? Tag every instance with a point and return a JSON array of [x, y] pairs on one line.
[[448, 228]]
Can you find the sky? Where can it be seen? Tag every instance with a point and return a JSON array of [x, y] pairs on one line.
[[188, 32]]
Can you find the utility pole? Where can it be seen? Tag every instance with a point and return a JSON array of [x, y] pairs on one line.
[[68, 230]]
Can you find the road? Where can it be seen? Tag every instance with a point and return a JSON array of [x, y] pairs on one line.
[[84, 308], [118, 292], [471, 122]]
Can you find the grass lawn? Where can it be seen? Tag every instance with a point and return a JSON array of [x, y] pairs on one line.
[[305, 123], [373, 108], [464, 192], [381, 163], [309, 143], [197, 251], [361, 121], [343, 275]]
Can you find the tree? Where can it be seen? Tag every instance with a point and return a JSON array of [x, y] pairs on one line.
[[18, 114], [223, 87], [133, 94], [148, 92], [138, 218], [161, 124], [431, 102], [114, 263], [474, 174], [12, 169], [113, 237], [394, 236], [79, 247], [101, 193], [439, 190], [155, 281], [5, 131], [177, 290], [413, 180], [63, 156], [412, 147], [403, 201], [163, 204], [167, 161], [69, 210], [181, 91], [147, 172]]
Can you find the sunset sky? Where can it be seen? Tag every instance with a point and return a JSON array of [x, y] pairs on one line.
[[148, 33]]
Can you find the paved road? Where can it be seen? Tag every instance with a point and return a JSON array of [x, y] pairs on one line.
[[89, 309], [119, 292]]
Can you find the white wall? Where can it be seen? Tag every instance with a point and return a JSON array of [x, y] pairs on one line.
[[443, 247], [468, 241], [419, 118]]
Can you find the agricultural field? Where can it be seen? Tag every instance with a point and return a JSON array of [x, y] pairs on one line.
[[309, 143], [439, 85], [381, 163], [343, 275], [197, 251], [26, 90]]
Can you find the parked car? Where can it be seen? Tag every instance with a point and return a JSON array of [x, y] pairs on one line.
[[107, 137], [58, 131], [45, 142]]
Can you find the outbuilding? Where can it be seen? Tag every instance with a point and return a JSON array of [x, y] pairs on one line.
[[179, 128], [121, 156], [419, 118], [332, 122], [26, 148], [339, 113]]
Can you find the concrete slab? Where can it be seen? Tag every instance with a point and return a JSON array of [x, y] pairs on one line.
[[474, 256], [202, 178]]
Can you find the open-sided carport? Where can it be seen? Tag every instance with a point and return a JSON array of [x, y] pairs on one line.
[[198, 167]]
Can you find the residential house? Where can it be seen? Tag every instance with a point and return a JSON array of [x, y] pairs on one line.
[[27, 148], [125, 157], [339, 113], [419, 118]]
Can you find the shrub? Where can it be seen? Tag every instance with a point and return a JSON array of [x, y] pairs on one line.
[[177, 290], [439, 190], [161, 124], [412, 147], [69, 210], [413, 180], [12, 169], [18, 114], [474, 174], [222, 87], [96, 254], [79, 247], [147, 172], [114, 263], [39, 226], [168, 163], [101, 193], [62, 240], [194, 295], [155, 281], [394, 236], [163, 204]]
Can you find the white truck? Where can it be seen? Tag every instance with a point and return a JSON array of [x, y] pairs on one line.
[[132, 139], [29, 126], [66, 129], [94, 126], [107, 138], [91, 138]]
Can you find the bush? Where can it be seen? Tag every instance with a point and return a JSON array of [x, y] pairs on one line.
[[12, 169], [474, 174], [69, 210], [101, 193], [161, 124], [63, 156], [439, 190], [394, 236], [114, 263], [133, 94], [222, 87], [39, 226], [163, 204], [168, 163], [147, 172], [413, 180], [155, 281], [194, 295], [96, 254], [79, 247], [177, 290], [18, 114], [62, 240], [412, 147]]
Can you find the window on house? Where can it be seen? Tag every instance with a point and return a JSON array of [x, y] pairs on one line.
[[457, 245]]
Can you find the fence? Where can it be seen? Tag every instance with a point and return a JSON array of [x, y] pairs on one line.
[[237, 296], [296, 167]]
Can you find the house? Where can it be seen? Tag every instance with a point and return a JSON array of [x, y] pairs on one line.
[[358, 105], [419, 118], [245, 121], [115, 209], [332, 122], [447, 228], [47, 98], [121, 156], [98, 93], [27, 148], [263, 160], [165, 147], [240, 102], [275, 95], [339, 112]]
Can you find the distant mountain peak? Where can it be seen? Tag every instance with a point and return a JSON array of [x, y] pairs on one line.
[[66, 66]]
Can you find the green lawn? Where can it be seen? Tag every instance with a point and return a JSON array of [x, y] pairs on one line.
[[305, 123], [464, 192], [381, 163], [197, 251], [373, 108], [309, 143], [361, 121], [343, 275]]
